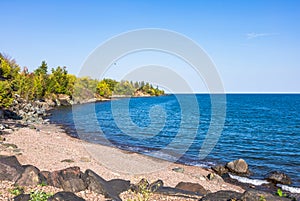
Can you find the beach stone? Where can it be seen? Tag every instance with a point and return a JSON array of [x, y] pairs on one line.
[[192, 187], [65, 196], [9, 145], [279, 177], [30, 177], [238, 166], [22, 197], [178, 169], [219, 169], [10, 168], [70, 179], [256, 195], [99, 185], [222, 196]]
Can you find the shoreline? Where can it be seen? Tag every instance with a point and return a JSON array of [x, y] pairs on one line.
[[50, 148], [36, 143]]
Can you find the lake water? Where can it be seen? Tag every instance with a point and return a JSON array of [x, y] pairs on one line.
[[263, 129]]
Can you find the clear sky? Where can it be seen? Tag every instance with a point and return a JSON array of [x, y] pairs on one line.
[[254, 44]]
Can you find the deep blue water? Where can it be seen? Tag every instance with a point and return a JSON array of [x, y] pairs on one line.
[[263, 129]]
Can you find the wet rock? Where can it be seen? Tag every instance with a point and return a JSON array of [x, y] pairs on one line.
[[99, 185], [222, 196], [219, 169], [70, 179], [30, 177], [65, 196], [255, 195], [192, 187], [278, 178], [10, 168], [22, 197], [238, 166]]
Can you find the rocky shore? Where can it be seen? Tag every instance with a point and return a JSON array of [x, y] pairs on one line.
[[42, 158]]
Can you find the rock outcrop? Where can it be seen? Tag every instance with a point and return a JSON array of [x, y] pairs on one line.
[[238, 166], [278, 178]]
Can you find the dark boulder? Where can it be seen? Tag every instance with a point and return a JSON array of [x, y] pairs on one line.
[[219, 169], [70, 179], [169, 191], [153, 187], [30, 177], [238, 166], [278, 178], [192, 187], [10, 168], [119, 185], [99, 185], [22, 197], [65, 196], [255, 195], [222, 196]]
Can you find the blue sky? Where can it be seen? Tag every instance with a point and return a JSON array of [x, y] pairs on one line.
[[254, 44]]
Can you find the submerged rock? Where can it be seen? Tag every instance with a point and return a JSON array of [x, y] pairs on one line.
[[238, 166]]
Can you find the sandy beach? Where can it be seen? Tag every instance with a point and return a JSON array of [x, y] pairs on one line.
[[49, 148]]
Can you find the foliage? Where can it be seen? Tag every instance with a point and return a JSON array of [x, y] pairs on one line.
[[41, 84], [39, 196], [143, 194], [124, 88], [280, 193], [262, 198], [103, 89], [8, 67], [5, 94], [17, 190]]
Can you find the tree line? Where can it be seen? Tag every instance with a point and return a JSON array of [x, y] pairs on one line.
[[41, 84]]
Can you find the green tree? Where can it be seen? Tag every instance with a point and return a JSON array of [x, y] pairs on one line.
[[40, 81], [124, 88], [8, 67], [5, 94], [103, 89], [111, 83], [58, 81], [42, 69]]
